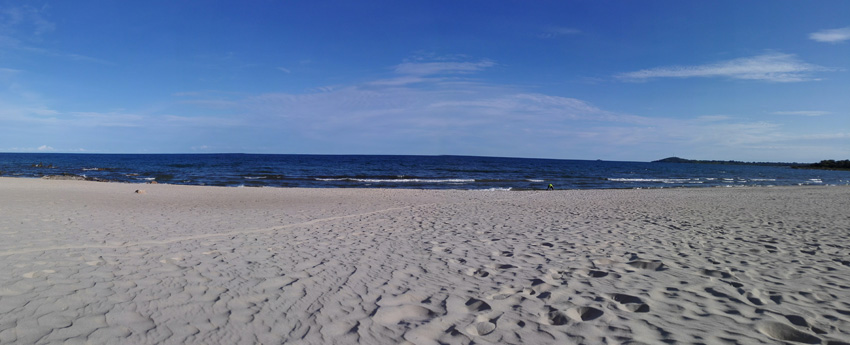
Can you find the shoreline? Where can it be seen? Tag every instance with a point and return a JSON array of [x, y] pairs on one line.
[[511, 189], [98, 262]]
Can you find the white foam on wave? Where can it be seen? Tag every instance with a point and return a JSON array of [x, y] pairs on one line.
[[403, 180], [662, 180], [534, 180], [495, 189]]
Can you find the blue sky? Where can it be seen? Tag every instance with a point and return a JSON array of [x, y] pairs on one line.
[[613, 80]]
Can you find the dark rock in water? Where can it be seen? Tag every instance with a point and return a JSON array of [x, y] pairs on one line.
[[71, 177], [64, 177]]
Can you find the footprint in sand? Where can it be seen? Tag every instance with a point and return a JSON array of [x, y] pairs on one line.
[[172, 260], [477, 305], [590, 273], [654, 265], [783, 332], [275, 284], [714, 273], [584, 313], [755, 296], [555, 317], [629, 302], [395, 314], [99, 261], [38, 274], [480, 273], [802, 322], [505, 292], [482, 325]]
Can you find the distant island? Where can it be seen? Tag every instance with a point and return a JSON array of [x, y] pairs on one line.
[[828, 164], [730, 162]]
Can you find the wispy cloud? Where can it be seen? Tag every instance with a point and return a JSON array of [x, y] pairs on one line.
[[26, 20], [713, 118], [431, 107], [8, 71], [432, 68], [419, 72], [284, 70], [802, 113], [772, 67], [23, 28], [831, 35], [558, 31], [403, 80]]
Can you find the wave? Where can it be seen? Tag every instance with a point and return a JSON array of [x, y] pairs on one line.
[[397, 180], [662, 180]]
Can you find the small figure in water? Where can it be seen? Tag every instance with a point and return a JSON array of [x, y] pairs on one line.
[[551, 187]]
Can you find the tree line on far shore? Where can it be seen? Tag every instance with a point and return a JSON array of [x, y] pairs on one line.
[[830, 164]]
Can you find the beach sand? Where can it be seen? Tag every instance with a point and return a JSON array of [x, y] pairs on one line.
[[98, 263]]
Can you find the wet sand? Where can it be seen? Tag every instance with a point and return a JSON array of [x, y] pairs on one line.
[[99, 263]]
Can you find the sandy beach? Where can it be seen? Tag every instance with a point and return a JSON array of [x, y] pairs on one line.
[[89, 262]]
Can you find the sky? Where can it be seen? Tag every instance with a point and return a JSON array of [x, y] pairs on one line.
[[611, 80]]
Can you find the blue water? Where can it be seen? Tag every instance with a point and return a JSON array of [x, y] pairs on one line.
[[420, 172]]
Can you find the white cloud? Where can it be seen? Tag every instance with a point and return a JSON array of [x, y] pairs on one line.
[[22, 28], [713, 118], [284, 70], [431, 107], [8, 71], [428, 107], [404, 80], [26, 19], [831, 35], [45, 148], [431, 68], [802, 113], [558, 31], [774, 67]]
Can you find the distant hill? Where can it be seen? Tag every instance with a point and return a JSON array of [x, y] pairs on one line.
[[695, 161]]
